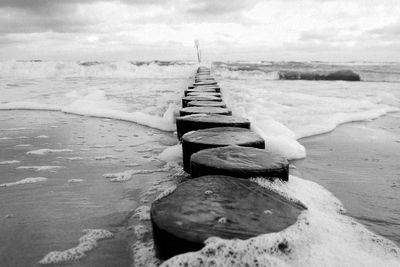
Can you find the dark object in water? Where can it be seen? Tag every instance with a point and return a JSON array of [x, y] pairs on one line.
[[187, 99], [220, 206], [207, 104], [237, 161], [201, 121], [193, 142], [342, 75], [204, 110]]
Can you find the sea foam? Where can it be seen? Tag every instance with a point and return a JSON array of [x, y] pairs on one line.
[[30, 180], [45, 151], [322, 236], [171, 153], [40, 168], [86, 243], [96, 104], [8, 162], [127, 175], [284, 111], [116, 69]]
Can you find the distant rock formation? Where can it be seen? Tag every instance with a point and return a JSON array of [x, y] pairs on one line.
[[341, 75]]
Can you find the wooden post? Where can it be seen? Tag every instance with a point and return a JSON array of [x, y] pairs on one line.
[[197, 44]]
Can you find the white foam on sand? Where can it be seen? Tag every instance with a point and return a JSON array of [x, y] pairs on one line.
[[97, 104], [29, 180], [143, 254], [87, 242], [40, 168], [25, 105], [42, 136], [127, 175], [45, 151], [141, 230], [142, 213], [171, 153], [8, 162], [322, 236]]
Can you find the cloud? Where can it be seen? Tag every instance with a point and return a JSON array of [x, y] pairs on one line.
[[44, 6], [17, 21], [28, 16], [237, 28], [212, 7], [390, 32]]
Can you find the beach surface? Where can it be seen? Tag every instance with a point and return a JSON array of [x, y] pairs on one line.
[[359, 163], [77, 189], [74, 162]]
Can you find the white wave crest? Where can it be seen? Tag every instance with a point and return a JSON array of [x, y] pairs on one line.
[[123, 69]]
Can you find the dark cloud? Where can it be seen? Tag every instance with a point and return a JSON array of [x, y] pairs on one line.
[[42, 6], [18, 21], [28, 16], [213, 7]]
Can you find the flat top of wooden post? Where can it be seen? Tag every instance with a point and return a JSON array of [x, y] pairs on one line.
[[222, 136], [223, 206], [214, 118], [240, 158]]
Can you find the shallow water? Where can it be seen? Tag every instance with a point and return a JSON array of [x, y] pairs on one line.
[[50, 215], [358, 162]]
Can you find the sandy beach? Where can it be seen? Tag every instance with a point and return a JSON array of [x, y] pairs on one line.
[[358, 163], [51, 214]]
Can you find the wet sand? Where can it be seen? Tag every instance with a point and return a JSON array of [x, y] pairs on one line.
[[50, 215], [359, 163]]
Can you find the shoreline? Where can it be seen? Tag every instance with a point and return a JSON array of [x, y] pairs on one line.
[[137, 227], [77, 157], [357, 162]]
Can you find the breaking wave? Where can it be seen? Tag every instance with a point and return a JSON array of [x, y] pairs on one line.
[[122, 69]]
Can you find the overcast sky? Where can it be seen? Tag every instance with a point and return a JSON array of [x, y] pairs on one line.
[[333, 30]]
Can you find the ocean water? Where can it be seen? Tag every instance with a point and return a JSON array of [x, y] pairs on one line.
[[282, 111]]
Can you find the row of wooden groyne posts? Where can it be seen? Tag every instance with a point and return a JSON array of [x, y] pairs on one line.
[[220, 153]]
